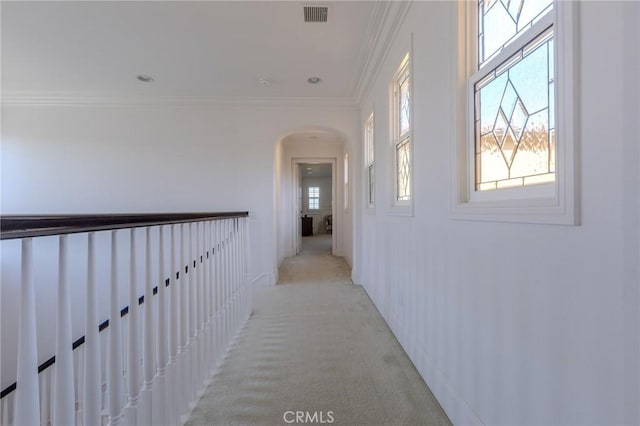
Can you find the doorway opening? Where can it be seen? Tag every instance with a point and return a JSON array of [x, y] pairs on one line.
[[316, 206]]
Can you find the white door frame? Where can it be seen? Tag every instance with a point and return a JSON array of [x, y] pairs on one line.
[[297, 198]]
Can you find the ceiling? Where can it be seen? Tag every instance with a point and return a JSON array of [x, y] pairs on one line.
[[315, 170], [201, 48]]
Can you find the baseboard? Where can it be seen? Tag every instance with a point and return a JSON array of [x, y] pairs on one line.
[[459, 411], [266, 279]]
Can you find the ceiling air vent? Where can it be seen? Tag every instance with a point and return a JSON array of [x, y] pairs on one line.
[[315, 14]]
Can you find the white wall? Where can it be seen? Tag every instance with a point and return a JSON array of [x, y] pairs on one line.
[[93, 159], [514, 324]]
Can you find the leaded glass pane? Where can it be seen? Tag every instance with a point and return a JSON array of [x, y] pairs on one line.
[[515, 135], [369, 141], [501, 21], [403, 99], [404, 170], [371, 184]]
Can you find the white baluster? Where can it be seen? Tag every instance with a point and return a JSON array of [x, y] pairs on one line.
[[160, 413], [27, 408], [227, 280], [210, 301], [245, 257], [230, 280], [205, 313], [134, 344], [64, 393], [115, 341], [4, 406], [184, 301], [216, 289], [43, 383], [92, 388], [192, 320], [236, 258], [145, 412], [200, 300], [173, 331]]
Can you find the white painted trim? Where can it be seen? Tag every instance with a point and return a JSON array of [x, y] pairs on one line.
[[458, 409], [377, 56], [266, 277], [560, 207], [402, 207], [74, 99], [295, 167], [374, 30], [369, 207]]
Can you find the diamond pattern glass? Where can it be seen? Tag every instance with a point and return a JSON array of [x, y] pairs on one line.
[[515, 135], [501, 21], [403, 98], [404, 171]]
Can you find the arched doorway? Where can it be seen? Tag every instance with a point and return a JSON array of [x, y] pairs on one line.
[[309, 146]]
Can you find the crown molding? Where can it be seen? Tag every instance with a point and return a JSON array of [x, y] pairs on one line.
[[66, 99], [391, 20], [368, 47]]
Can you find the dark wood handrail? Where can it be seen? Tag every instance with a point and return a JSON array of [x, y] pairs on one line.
[[26, 226]]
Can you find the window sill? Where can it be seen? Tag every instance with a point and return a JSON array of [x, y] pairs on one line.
[[538, 211], [403, 210]]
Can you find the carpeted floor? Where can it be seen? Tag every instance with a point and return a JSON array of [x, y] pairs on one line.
[[316, 345]]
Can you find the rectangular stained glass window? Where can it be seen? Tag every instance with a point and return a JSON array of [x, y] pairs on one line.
[[514, 124], [369, 158], [402, 130]]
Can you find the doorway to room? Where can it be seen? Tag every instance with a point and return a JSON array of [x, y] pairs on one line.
[[315, 189]]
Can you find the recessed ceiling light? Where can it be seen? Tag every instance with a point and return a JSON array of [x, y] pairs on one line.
[[314, 80], [145, 78], [308, 168]]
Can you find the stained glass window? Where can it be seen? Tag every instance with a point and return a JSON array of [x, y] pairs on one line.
[[500, 21], [514, 102], [402, 115], [403, 100], [372, 177], [369, 157]]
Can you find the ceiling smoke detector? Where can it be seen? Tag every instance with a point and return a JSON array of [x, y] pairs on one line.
[[265, 81], [316, 13], [314, 80]]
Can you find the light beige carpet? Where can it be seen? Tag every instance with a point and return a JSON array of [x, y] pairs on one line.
[[316, 344]]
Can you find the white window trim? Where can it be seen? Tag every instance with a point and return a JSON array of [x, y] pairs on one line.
[[369, 142], [346, 167], [533, 205], [402, 207]]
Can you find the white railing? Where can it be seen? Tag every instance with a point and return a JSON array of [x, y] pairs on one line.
[[153, 359]]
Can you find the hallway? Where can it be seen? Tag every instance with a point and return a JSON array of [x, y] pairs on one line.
[[316, 344]]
